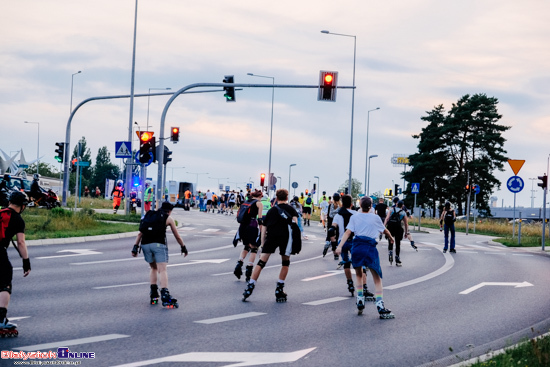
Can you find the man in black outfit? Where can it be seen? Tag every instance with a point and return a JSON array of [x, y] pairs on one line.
[[275, 234]]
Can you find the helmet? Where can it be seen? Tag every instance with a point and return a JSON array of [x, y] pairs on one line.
[[400, 203], [119, 183], [36, 176], [19, 198], [7, 177], [395, 199]]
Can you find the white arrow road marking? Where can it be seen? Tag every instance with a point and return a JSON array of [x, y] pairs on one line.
[[68, 343], [19, 318], [230, 318], [242, 359], [195, 262], [449, 262], [78, 253], [515, 285], [332, 272], [324, 301]]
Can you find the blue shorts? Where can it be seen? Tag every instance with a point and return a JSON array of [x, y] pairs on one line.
[[155, 252], [364, 253]]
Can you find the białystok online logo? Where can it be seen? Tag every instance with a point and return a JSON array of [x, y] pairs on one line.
[[62, 353], [65, 353]]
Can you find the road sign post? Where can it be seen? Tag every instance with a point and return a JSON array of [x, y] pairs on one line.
[[515, 184], [415, 189]]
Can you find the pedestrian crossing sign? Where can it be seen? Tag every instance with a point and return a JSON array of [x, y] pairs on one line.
[[415, 188], [123, 149]]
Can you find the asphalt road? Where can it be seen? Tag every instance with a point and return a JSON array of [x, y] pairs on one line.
[[93, 297]]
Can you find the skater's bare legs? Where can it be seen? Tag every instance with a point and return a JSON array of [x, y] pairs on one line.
[[359, 279], [377, 283], [284, 269], [158, 270], [258, 268], [4, 299]]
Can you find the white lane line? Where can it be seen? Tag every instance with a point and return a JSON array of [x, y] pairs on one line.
[[272, 266], [211, 230], [496, 253], [231, 318], [449, 262], [19, 318], [431, 244], [324, 301], [68, 343], [468, 252], [120, 285], [138, 258], [483, 248], [332, 273], [521, 255]]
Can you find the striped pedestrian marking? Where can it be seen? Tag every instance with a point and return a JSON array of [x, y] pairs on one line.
[[68, 343], [231, 318], [211, 230]]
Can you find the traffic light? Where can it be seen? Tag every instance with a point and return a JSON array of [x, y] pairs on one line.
[[167, 154], [396, 189], [327, 86], [73, 164], [60, 152], [229, 91], [314, 187], [146, 146], [262, 179], [307, 191], [544, 182], [175, 134], [390, 193]]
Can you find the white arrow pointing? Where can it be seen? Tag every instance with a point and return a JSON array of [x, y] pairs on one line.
[[515, 285], [242, 359], [195, 262], [76, 252]]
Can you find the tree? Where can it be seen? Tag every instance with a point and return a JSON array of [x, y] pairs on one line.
[[44, 169], [85, 172], [468, 140], [355, 187], [103, 169]]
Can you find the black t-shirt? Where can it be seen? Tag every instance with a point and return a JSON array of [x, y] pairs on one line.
[[277, 227], [16, 225], [381, 209]]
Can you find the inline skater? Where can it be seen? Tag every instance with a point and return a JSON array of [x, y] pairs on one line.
[[276, 233], [11, 224], [117, 195], [393, 222], [231, 201], [448, 218], [5, 186], [308, 208], [152, 237], [250, 223], [331, 231], [366, 227]]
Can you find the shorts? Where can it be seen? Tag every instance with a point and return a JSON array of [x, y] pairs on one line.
[[307, 210], [249, 235], [271, 244], [231, 204], [6, 273], [155, 252], [208, 202], [323, 216]]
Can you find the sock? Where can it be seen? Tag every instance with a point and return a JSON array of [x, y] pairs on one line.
[[3, 313], [378, 296], [252, 281], [281, 281], [359, 291], [250, 263]]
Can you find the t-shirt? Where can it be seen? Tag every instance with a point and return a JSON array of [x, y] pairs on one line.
[[276, 227], [209, 195], [366, 224], [16, 225], [339, 220], [381, 209], [324, 207]]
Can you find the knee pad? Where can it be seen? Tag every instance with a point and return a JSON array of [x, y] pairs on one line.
[[347, 265], [334, 245], [331, 232], [286, 262], [5, 288], [261, 263], [254, 250]]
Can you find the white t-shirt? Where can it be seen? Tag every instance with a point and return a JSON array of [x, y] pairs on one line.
[[366, 224], [339, 220], [324, 206], [209, 195]]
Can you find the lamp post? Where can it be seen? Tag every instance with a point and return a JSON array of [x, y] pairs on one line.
[[172, 168], [219, 178], [271, 130], [352, 102], [148, 99], [197, 180], [532, 192], [289, 172], [368, 177], [38, 145], [367, 155], [318, 188], [72, 82]]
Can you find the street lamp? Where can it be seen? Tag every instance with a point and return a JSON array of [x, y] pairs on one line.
[[367, 155], [352, 102], [368, 177], [72, 82], [318, 188], [289, 168], [38, 145], [532, 192], [148, 99], [271, 131], [197, 180]]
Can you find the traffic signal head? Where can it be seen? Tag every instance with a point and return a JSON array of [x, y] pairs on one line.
[[60, 152], [145, 136], [327, 86], [307, 191], [262, 179], [175, 134], [229, 91], [146, 147], [544, 182], [396, 189], [167, 155], [73, 164]]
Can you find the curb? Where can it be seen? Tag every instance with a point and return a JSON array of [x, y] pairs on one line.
[[70, 240]]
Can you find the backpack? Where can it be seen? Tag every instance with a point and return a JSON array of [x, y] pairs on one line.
[[394, 223], [449, 218], [154, 222], [308, 201], [232, 197], [243, 215], [294, 233], [5, 215]]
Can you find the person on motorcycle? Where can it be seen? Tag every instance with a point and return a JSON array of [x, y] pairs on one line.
[[36, 192], [5, 186], [118, 195]]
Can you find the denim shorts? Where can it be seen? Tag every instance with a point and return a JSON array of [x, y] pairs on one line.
[[155, 252]]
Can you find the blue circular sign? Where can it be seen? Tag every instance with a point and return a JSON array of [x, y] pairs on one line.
[[477, 189], [295, 185], [515, 184], [146, 164]]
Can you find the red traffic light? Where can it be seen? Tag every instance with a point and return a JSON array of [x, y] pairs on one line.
[[328, 79], [175, 130], [145, 136], [175, 134], [262, 179]]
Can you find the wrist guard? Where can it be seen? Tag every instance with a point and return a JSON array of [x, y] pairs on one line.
[[260, 221], [26, 265], [184, 250], [136, 249]]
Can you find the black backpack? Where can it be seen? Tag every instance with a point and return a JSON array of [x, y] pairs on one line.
[[394, 223], [294, 235], [154, 222], [243, 215]]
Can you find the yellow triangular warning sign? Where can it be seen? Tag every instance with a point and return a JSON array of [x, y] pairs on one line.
[[516, 165]]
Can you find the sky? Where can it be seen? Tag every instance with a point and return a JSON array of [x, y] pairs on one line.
[[411, 56]]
